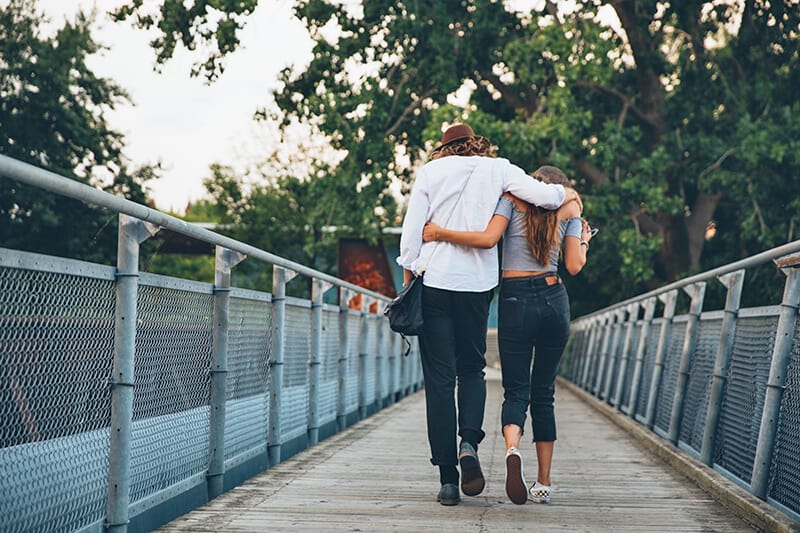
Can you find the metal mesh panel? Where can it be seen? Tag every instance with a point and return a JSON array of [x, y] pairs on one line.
[[785, 473], [249, 348], [743, 398], [669, 378], [353, 330], [329, 373], [56, 355], [170, 407], [647, 367], [699, 386], [294, 407]]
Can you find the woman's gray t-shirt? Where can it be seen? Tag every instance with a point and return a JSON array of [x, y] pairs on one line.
[[516, 250]]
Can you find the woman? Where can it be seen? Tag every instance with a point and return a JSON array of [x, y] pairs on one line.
[[533, 314], [459, 188]]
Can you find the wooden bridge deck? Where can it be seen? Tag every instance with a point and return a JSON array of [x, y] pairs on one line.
[[376, 476]]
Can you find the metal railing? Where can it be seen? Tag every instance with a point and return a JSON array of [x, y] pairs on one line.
[[127, 395], [724, 386]]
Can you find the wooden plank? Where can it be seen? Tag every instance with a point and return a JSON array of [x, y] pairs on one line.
[[376, 476]]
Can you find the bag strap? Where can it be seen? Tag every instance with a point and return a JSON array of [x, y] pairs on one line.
[[460, 194]]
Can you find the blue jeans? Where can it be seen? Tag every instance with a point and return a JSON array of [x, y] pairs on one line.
[[532, 316], [453, 345]]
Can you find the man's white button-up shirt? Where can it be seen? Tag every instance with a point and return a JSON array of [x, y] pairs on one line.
[[433, 197]]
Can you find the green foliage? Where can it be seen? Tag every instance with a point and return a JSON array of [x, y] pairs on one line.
[[52, 115], [678, 117]]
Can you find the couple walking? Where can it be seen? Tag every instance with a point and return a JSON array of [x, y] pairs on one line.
[[463, 200]]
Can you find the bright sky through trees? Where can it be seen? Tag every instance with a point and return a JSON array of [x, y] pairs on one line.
[[182, 121]]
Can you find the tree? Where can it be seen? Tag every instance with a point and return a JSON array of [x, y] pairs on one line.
[[672, 116], [52, 114]]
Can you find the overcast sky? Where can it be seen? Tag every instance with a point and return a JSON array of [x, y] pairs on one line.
[[182, 121]]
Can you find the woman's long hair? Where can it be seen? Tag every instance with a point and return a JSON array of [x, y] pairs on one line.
[[476, 145], [541, 225]]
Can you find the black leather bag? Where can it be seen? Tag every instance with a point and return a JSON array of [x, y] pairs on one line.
[[405, 311]]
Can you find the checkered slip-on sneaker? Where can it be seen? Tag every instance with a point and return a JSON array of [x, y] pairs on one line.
[[516, 488], [540, 493]]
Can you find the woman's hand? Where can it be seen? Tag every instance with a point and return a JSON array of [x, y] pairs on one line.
[[586, 231], [430, 232]]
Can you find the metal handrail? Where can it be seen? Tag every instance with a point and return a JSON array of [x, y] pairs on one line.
[[50, 181], [754, 260]]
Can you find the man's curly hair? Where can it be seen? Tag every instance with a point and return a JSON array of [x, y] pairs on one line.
[[476, 145]]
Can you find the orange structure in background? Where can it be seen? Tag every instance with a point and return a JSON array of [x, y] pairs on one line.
[[366, 266]]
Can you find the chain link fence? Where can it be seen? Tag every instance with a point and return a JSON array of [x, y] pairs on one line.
[[722, 385], [128, 397]]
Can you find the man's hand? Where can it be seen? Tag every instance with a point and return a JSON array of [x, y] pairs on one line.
[[430, 232], [572, 196]]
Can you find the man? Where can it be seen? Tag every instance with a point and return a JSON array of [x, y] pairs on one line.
[[458, 189]]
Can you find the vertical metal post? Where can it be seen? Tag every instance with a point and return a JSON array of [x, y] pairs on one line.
[[344, 348], [641, 350], [697, 292], [669, 300], [633, 315], [392, 377], [318, 290], [225, 261], [132, 232], [280, 277], [612, 356], [418, 368], [734, 282], [779, 367], [381, 336], [363, 338], [608, 331], [594, 327]]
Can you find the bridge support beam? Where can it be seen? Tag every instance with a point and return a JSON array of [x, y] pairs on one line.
[[132, 232], [225, 261], [669, 299], [641, 350], [697, 291], [734, 282], [781, 357], [280, 277], [318, 290]]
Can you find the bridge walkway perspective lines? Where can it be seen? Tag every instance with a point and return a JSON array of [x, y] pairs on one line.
[[375, 476]]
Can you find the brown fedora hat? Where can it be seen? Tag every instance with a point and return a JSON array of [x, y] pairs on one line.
[[456, 132]]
